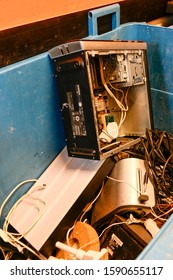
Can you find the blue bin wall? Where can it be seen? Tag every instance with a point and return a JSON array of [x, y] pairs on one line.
[[160, 64], [31, 131]]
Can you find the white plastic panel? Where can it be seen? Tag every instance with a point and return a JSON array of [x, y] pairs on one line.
[[65, 180]]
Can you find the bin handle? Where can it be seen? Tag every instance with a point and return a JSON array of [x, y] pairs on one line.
[[93, 15]]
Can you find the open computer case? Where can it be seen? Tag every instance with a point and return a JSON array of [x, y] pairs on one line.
[[103, 87]]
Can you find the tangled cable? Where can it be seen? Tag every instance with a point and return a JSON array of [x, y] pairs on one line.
[[157, 151]]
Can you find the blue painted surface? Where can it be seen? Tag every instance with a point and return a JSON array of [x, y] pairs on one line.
[[162, 104], [31, 131]]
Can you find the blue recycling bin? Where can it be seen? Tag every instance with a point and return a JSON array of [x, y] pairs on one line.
[[31, 130]]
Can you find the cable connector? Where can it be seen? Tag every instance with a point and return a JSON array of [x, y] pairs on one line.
[[151, 226], [80, 254], [133, 220]]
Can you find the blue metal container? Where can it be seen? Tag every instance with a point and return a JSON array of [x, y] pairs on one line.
[[31, 131]]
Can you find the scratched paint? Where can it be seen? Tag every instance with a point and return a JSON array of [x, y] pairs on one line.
[[11, 129]]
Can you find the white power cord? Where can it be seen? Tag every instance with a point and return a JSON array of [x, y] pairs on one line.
[[13, 191], [14, 238]]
